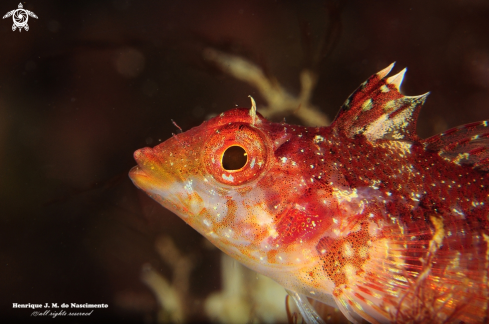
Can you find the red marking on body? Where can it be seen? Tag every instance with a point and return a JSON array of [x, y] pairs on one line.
[[296, 225], [411, 220], [338, 253]]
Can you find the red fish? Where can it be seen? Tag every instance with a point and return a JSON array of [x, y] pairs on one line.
[[363, 214]]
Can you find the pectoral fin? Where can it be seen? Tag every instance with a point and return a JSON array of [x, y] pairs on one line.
[[305, 308]]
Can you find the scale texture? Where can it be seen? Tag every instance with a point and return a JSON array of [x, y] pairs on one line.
[[362, 214]]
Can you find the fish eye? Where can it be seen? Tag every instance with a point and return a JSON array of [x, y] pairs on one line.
[[235, 154], [234, 158]]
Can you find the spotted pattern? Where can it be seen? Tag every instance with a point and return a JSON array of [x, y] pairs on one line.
[[345, 257], [391, 227]]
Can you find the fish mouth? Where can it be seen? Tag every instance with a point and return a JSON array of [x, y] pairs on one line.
[[159, 182], [150, 173], [140, 178], [137, 174], [140, 174]]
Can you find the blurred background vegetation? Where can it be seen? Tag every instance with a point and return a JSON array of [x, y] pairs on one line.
[[92, 81]]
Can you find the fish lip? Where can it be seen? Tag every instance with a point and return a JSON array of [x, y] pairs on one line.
[[142, 156], [149, 173], [139, 177], [137, 173]]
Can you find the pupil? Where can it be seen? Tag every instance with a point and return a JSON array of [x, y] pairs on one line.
[[234, 158]]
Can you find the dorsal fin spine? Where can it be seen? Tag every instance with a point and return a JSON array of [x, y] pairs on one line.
[[383, 73], [396, 79], [379, 111]]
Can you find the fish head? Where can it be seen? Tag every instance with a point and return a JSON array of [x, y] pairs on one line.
[[220, 178]]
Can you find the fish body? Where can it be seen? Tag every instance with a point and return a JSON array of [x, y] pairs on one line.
[[362, 214]]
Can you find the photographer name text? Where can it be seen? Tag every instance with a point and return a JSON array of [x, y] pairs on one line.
[[67, 309]]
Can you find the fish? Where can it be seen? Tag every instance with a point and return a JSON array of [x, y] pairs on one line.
[[362, 215]]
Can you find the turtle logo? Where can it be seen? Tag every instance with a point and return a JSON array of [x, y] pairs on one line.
[[20, 16]]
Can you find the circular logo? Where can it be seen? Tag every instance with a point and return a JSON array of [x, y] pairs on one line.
[[20, 17]]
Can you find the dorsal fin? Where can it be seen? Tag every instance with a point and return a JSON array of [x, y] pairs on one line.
[[379, 111], [467, 144]]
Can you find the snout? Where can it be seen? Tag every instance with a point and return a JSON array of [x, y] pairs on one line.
[[141, 174], [152, 172]]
